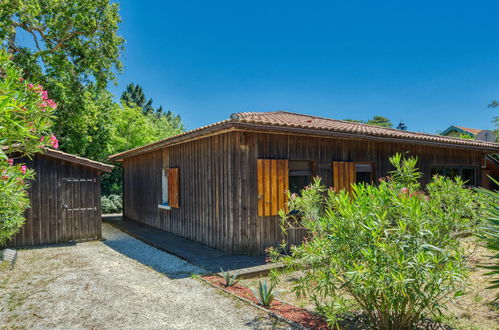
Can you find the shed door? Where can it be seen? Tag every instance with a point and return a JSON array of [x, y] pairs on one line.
[[79, 205]]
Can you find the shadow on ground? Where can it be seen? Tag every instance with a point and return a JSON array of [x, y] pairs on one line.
[[170, 265]]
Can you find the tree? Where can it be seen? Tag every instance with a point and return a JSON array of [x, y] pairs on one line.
[[133, 128], [134, 95], [380, 121], [376, 120], [74, 51], [26, 114]]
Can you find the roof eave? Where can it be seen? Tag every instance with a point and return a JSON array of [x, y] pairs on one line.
[[245, 126], [78, 160]]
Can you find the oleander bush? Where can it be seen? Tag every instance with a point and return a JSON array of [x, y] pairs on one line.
[[489, 233], [26, 114], [111, 203], [391, 248]]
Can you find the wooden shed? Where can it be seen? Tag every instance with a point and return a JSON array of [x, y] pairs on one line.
[[65, 200], [223, 185]]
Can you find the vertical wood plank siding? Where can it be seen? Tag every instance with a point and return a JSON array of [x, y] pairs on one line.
[[219, 182], [47, 221]]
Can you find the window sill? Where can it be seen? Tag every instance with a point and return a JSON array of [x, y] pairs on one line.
[[164, 207]]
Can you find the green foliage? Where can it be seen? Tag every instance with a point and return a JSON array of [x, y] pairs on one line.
[[264, 294], [111, 204], [380, 121], [129, 128], [490, 233], [391, 248], [26, 114], [134, 95], [230, 279], [74, 51], [406, 172], [376, 120]]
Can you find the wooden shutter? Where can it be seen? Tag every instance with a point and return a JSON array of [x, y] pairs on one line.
[[273, 184], [173, 187], [343, 175]]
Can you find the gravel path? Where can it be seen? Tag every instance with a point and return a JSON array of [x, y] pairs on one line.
[[119, 283]]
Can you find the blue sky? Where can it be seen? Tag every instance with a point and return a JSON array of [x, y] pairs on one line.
[[428, 63]]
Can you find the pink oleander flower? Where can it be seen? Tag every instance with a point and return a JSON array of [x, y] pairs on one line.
[[51, 103], [404, 190], [42, 138], [31, 86], [293, 196], [23, 169], [54, 142], [10, 161]]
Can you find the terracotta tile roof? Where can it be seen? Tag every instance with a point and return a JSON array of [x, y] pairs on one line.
[[473, 131], [283, 119], [289, 119]]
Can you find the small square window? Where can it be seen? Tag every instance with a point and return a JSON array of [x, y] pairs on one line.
[[300, 175]]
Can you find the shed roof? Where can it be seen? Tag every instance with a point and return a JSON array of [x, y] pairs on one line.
[[300, 123], [78, 160]]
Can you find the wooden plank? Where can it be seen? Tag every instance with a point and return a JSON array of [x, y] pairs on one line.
[[267, 185], [261, 187], [274, 187]]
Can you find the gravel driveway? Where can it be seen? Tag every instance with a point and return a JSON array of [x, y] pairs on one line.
[[118, 283]]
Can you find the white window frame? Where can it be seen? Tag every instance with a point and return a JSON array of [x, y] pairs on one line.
[[164, 190]]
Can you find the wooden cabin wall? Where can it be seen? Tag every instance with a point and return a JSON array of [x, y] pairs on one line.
[[47, 221], [323, 151], [218, 182], [207, 177]]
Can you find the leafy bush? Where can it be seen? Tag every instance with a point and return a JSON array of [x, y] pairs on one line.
[[264, 293], [111, 204], [26, 114], [391, 248], [490, 234], [230, 279]]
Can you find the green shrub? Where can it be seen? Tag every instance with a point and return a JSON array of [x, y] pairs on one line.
[[489, 232], [111, 204], [391, 248], [264, 293]]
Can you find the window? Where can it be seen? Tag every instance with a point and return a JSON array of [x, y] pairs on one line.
[[346, 173], [300, 175], [467, 174], [363, 172], [169, 188]]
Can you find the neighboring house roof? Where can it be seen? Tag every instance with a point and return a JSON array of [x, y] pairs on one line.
[[453, 128], [78, 160], [473, 131], [289, 122]]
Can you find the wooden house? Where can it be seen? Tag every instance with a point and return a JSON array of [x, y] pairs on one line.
[[65, 199], [223, 185]]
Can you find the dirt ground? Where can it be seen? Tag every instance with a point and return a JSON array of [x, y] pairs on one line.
[[474, 310], [119, 283]]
